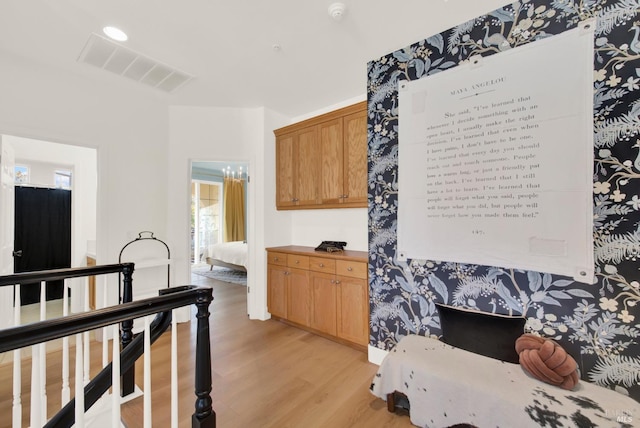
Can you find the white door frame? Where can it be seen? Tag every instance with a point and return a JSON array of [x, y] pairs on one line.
[[251, 309], [7, 228]]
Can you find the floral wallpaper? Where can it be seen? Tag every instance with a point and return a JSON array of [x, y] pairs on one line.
[[599, 324]]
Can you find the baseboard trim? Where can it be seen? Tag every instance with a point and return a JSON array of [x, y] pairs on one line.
[[376, 355]]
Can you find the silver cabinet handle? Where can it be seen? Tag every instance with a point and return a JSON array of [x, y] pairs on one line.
[[321, 265], [349, 268]]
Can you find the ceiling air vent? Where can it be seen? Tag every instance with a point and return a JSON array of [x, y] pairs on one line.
[[108, 55]]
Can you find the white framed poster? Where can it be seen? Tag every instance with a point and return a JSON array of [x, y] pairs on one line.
[[496, 159]]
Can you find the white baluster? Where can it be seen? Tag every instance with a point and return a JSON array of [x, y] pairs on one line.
[[174, 369], [79, 389], [17, 365], [87, 360], [87, 341], [105, 330], [115, 377], [147, 374], [42, 348], [36, 408], [66, 390]]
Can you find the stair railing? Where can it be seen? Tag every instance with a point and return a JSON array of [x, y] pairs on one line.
[[20, 336]]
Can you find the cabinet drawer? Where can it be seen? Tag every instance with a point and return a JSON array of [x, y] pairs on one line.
[[296, 261], [352, 269], [279, 259], [321, 264]]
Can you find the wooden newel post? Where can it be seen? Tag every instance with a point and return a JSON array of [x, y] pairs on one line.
[[128, 380], [204, 416]]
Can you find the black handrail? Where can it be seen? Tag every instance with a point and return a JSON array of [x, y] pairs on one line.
[[43, 331], [126, 269], [58, 274]]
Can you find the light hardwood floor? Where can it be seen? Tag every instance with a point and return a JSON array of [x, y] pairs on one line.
[[265, 374]]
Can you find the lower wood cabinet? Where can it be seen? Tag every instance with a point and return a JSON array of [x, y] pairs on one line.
[[298, 296], [352, 311], [324, 307], [326, 293], [277, 292]]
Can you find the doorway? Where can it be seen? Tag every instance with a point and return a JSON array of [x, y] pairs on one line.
[[49, 165], [42, 237], [219, 221]]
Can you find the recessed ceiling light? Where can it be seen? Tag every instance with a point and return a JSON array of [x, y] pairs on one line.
[[115, 33]]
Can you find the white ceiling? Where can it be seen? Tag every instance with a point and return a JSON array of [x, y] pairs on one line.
[[227, 45]]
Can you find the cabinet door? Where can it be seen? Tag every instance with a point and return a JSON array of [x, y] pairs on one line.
[[355, 158], [299, 297], [277, 290], [353, 309], [306, 167], [323, 312], [284, 170], [332, 159]]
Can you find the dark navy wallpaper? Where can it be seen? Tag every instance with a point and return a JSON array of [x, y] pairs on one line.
[[599, 323]]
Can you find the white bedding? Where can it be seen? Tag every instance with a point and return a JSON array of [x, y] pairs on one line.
[[230, 252], [447, 386]]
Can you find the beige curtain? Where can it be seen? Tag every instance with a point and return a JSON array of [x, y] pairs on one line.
[[233, 210]]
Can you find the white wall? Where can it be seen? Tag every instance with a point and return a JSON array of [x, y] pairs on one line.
[[126, 122], [309, 227], [227, 134]]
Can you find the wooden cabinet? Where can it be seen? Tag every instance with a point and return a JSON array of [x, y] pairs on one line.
[[297, 168], [326, 293], [322, 162], [285, 193], [331, 161], [355, 158], [352, 302], [298, 297], [323, 317], [277, 295], [277, 278], [341, 300], [289, 289]]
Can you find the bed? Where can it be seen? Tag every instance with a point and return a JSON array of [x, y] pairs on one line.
[[233, 255], [444, 385]]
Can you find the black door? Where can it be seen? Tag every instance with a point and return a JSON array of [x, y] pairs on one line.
[[42, 237]]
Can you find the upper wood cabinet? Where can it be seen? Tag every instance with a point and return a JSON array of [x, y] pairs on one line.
[[355, 158], [322, 162], [285, 194]]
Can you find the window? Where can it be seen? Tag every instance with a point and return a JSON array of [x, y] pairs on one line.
[[206, 203], [62, 179], [21, 174]]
